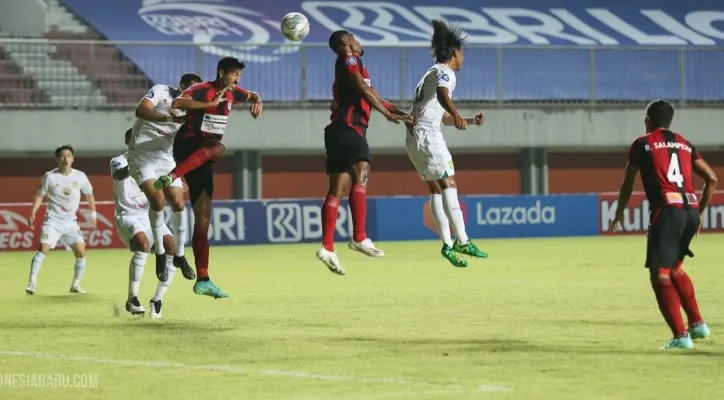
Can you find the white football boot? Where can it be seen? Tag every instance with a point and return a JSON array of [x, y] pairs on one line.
[[365, 247], [155, 307], [330, 259]]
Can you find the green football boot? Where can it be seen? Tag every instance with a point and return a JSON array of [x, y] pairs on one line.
[[207, 288], [469, 249], [454, 259]]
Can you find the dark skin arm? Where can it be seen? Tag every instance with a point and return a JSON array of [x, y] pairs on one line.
[[443, 96], [370, 95], [146, 112], [624, 194], [186, 103], [704, 170]]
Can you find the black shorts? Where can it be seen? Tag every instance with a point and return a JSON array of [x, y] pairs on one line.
[[344, 147], [670, 234], [201, 179]]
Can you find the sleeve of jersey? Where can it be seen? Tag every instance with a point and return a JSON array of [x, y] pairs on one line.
[[695, 155], [445, 80], [633, 153], [240, 94], [351, 64], [191, 92], [86, 187], [154, 95], [43, 188]]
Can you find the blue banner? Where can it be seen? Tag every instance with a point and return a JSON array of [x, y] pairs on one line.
[[290, 72], [402, 218]]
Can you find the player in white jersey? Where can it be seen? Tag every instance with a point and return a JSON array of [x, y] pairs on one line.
[[134, 229], [426, 145], [63, 187], [150, 156]]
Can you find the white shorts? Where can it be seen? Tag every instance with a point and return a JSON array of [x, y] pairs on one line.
[[144, 165], [431, 158], [66, 233], [130, 225]]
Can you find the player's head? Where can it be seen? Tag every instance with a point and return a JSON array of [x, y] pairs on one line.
[[188, 80], [229, 70], [128, 135], [659, 114], [344, 42], [447, 42], [64, 155]]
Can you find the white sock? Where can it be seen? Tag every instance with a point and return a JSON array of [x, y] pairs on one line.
[[178, 226], [135, 273], [35, 265], [441, 221], [455, 214], [79, 270], [157, 221], [162, 287]]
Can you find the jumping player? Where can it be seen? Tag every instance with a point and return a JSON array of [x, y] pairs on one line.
[[426, 146], [198, 145], [666, 161], [345, 141], [63, 187], [134, 229], [150, 156]]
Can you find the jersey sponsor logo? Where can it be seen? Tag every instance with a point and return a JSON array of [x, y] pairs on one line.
[[294, 222], [209, 23]]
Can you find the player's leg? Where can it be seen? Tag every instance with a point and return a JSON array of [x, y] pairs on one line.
[[358, 205], [78, 248], [48, 239], [174, 194], [442, 224], [139, 244], [156, 302], [207, 151], [201, 190], [142, 168], [683, 284], [663, 242], [340, 181]]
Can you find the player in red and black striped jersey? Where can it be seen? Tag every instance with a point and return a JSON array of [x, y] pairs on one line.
[[197, 146], [345, 141], [667, 162]]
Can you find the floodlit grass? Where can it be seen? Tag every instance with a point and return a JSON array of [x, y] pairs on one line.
[[569, 318]]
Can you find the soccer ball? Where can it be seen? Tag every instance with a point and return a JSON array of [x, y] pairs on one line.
[[295, 26]]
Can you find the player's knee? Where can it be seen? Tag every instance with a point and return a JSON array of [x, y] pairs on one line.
[[43, 248], [156, 200], [448, 183], [663, 276], [140, 243]]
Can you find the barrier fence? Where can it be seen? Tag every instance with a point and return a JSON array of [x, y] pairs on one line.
[[97, 74], [236, 222]]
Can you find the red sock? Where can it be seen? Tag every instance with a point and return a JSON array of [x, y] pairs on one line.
[[329, 221], [669, 302], [200, 244], [195, 160], [685, 288], [358, 205]]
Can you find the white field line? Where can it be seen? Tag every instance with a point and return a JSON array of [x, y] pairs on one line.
[[249, 371]]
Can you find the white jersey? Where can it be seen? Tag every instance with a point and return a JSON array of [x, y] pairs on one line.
[[156, 135], [130, 200], [63, 192], [426, 110]]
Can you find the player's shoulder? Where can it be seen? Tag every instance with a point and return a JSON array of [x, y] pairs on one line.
[[641, 139], [53, 172], [199, 86], [349, 59], [78, 173], [444, 73], [119, 160]]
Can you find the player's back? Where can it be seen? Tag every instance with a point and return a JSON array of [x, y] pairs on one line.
[[128, 197], [348, 105], [666, 161], [426, 109], [148, 134]]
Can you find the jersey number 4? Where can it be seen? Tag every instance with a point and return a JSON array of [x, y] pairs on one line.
[[674, 173]]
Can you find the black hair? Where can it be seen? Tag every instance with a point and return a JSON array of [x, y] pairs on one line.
[[62, 147], [190, 78], [128, 135], [660, 113], [226, 64], [446, 38], [335, 39]]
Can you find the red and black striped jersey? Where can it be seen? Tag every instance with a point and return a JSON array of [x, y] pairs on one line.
[[210, 122], [348, 105], [666, 162]]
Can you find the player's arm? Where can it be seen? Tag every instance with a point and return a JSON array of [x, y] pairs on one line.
[[371, 97], [477, 119], [186, 101], [146, 109], [443, 97], [38, 199], [388, 104], [242, 95], [624, 193], [704, 170], [87, 190]]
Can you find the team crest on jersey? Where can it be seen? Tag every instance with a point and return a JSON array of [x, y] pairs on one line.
[[150, 94], [75, 184], [445, 77], [351, 60]]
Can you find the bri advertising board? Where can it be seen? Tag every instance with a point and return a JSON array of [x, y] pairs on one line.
[[236, 222]]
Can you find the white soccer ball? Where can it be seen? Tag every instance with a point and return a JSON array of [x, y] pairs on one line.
[[295, 26]]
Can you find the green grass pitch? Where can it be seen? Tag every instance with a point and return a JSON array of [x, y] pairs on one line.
[[568, 318]]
